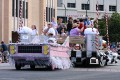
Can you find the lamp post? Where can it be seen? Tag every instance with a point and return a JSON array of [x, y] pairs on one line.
[[116, 6], [86, 7], [65, 11]]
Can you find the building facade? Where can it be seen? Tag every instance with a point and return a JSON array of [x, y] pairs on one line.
[[80, 8], [14, 13]]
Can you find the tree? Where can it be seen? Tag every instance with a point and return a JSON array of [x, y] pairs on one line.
[[114, 27], [102, 26]]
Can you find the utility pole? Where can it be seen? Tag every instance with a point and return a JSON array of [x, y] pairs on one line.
[[86, 7]]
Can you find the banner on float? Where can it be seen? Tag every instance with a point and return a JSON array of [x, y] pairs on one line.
[[77, 39]]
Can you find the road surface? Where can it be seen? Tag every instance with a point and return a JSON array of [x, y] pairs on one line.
[[111, 72]]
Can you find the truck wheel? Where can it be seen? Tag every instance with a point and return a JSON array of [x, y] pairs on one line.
[[32, 66], [102, 62], [50, 67], [75, 65], [17, 66], [85, 63]]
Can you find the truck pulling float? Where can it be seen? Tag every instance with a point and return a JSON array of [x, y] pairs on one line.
[[38, 51]]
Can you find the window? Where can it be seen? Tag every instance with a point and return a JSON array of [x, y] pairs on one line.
[[23, 9], [16, 8], [59, 3], [50, 12], [27, 10], [85, 6], [112, 8], [100, 7], [71, 5], [13, 6]]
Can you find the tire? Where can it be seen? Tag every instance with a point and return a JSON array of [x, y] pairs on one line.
[[102, 62], [17, 66], [51, 68], [32, 66], [106, 62], [75, 65], [85, 62]]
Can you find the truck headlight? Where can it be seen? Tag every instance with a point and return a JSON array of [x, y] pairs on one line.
[[12, 49], [46, 49]]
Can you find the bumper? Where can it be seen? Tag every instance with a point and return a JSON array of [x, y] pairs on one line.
[[29, 59]]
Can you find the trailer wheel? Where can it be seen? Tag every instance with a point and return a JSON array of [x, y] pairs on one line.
[[32, 66], [17, 66]]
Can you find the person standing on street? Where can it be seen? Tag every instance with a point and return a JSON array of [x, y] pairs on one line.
[[5, 52], [60, 25], [69, 25]]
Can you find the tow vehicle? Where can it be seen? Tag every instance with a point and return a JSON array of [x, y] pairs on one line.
[[38, 52]]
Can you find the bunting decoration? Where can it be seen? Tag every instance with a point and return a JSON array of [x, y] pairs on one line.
[[21, 12], [97, 34]]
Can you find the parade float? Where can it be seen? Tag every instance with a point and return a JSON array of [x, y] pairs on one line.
[[39, 51], [91, 50]]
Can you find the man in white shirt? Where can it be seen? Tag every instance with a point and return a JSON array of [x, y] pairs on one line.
[[49, 30]]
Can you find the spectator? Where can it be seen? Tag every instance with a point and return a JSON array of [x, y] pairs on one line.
[[89, 22], [5, 52], [75, 21], [54, 24], [63, 32], [69, 25], [81, 25], [60, 25], [75, 31], [49, 30]]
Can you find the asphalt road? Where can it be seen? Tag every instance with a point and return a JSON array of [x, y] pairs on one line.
[[111, 72]]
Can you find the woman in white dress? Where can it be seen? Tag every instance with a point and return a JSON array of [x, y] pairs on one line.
[[34, 30]]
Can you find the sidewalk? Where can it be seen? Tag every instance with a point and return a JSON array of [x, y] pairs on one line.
[[6, 66]]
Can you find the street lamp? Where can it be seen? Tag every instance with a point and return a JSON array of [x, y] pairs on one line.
[[86, 7], [116, 6], [65, 11]]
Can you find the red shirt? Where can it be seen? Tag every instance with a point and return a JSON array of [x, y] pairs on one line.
[[82, 25]]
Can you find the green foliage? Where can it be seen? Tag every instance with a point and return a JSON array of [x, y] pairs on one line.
[[114, 27], [102, 27]]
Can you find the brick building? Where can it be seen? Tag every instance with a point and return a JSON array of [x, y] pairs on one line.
[[36, 12]]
